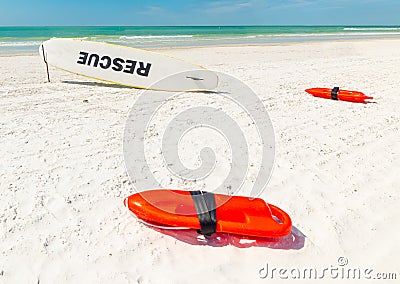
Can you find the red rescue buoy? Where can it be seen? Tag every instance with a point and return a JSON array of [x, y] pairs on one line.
[[209, 213], [339, 95]]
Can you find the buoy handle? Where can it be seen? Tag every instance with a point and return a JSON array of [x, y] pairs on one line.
[[282, 216]]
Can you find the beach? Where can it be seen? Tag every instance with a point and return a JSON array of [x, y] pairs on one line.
[[63, 178]]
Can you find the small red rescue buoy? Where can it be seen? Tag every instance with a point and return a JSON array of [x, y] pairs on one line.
[[339, 95]]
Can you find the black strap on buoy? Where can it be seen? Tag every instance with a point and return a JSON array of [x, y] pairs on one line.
[[204, 202], [334, 93]]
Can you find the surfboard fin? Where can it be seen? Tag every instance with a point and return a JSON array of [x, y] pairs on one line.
[[195, 78]]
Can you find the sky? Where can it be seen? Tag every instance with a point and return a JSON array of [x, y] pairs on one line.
[[199, 12]]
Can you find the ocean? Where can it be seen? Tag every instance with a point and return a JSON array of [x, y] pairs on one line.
[[20, 40]]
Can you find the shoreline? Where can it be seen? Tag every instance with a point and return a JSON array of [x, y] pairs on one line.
[[238, 45]]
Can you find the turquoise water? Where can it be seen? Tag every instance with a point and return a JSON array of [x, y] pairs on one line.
[[28, 39]]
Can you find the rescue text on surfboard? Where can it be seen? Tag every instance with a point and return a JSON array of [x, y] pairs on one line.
[[116, 64]]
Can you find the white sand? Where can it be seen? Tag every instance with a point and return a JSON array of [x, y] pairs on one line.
[[63, 180]]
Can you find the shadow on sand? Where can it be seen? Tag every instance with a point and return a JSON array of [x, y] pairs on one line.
[[117, 86], [98, 84], [294, 241]]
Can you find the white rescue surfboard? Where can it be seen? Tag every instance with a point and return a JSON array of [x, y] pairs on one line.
[[126, 66]]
